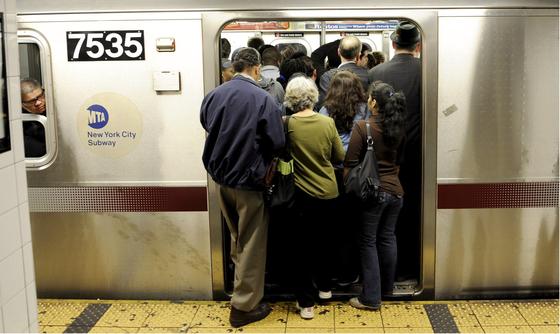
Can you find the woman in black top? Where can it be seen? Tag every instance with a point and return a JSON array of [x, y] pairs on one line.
[[378, 244]]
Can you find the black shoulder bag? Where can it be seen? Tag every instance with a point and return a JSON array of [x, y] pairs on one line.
[[362, 181], [280, 186]]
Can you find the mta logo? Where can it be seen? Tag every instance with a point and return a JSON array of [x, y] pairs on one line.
[[98, 116]]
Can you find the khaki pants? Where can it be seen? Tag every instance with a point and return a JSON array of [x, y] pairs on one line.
[[247, 220]]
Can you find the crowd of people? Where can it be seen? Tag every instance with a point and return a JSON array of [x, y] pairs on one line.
[[327, 108]]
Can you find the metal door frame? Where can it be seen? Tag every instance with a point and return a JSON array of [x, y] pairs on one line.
[[427, 20]]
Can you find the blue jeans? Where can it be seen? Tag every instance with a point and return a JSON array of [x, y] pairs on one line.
[[378, 248]]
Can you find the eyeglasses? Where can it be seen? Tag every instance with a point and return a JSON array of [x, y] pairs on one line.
[[34, 100]]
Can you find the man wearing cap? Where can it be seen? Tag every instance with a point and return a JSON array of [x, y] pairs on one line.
[[245, 128], [404, 73]]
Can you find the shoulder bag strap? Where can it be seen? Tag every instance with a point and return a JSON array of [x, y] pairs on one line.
[[371, 150], [286, 135]]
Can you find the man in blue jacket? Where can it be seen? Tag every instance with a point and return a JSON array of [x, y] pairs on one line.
[[244, 126]]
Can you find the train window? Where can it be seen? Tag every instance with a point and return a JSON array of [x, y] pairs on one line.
[[4, 120], [36, 100], [30, 61]]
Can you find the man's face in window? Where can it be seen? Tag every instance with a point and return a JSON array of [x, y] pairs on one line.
[[34, 102]]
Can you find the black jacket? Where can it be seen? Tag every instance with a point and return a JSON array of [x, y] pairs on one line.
[[329, 51], [244, 126], [34, 138], [404, 73]]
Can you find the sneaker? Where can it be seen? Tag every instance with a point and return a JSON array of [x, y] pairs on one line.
[[305, 312], [325, 295], [355, 302]]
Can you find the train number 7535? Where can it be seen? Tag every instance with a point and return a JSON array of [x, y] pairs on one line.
[[105, 45]]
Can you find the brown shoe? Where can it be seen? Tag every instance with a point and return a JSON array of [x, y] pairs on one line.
[[238, 318]]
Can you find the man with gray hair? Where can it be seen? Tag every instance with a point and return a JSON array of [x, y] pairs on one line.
[[349, 51], [32, 96], [245, 128], [33, 102]]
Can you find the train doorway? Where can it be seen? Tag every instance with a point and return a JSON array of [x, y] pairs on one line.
[[305, 37]]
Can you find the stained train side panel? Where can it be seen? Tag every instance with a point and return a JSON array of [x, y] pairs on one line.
[[167, 148], [163, 251], [497, 223], [123, 221]]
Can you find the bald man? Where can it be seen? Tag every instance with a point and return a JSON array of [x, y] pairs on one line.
[[349, 52]]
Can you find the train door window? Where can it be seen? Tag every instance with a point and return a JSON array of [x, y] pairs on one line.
[[4, 120], [36, 100]]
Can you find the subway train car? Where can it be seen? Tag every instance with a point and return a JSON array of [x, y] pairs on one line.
[[121, 206]]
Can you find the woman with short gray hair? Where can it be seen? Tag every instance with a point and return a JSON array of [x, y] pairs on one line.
[[315, 147], [303, 94]]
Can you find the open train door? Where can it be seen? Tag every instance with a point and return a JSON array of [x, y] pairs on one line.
[[213, 26]]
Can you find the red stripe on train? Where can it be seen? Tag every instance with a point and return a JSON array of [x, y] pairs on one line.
[[498, 195], [157, 199]]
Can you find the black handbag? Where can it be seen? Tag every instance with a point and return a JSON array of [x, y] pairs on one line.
[[362, 181], [280, 186]]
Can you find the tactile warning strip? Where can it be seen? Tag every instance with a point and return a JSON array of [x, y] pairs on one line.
[[477, 316], [441, 319], [88, 318]]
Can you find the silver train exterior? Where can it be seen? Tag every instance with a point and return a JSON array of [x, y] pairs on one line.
[[138, 217]]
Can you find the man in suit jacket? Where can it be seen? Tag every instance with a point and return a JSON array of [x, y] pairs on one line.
[[349, 52], [404, 73]]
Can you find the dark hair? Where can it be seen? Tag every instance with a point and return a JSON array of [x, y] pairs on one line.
[[264, 47], [365, 48], [298, 63], [375, 58], [289, 51], [392, 106], [379, 57], [245, 58], [343, 100], [255, 42], [270, 56], [225, 48], [371, 62]]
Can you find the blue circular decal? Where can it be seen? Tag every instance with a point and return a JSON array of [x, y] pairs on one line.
[[98, 116]]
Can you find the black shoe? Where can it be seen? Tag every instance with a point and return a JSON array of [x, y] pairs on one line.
[[239, 318], [344, 282]]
